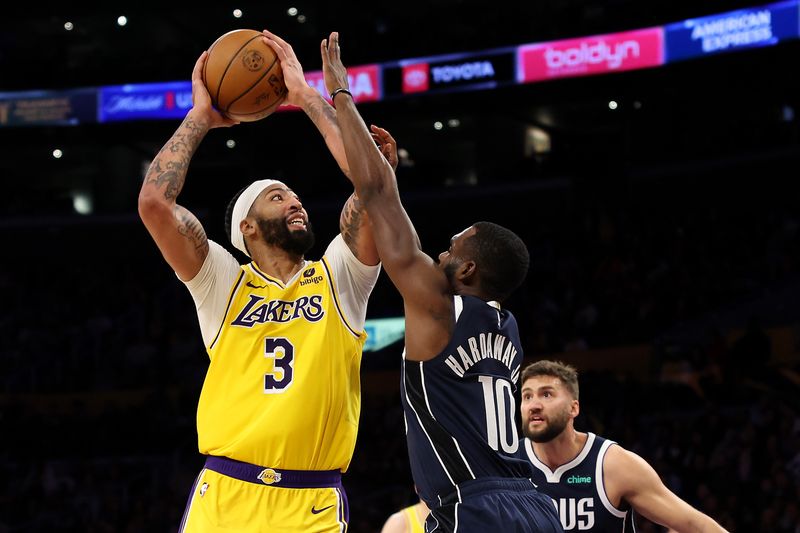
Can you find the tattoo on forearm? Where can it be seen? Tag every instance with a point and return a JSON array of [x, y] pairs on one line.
[[350, 222], [190, 227], [323, 115], [168, 169], [320, 109]]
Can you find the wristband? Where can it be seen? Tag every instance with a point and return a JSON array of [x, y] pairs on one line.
[[340, 90]]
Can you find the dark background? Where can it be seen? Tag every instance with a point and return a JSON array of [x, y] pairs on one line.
[[663, 238]]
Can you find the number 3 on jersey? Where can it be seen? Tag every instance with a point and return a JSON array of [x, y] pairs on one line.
[[499, 417], [281, 352]]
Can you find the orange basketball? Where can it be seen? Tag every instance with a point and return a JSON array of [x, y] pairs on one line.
[[243, 76]]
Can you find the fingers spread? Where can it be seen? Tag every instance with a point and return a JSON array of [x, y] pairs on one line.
[[323, 49], [335, 44]]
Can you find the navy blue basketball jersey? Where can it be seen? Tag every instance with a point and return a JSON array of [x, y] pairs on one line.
[[459, 406], [578, 491]]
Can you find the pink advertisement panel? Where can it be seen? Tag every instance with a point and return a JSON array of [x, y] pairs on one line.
[[591, 55], [365, 82]]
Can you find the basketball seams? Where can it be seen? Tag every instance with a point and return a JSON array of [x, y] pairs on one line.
[[267, 71], [244, 78], [234, 57], [220, 42]]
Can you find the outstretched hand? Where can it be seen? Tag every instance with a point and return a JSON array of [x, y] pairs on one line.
[[332, 67], [293, 76], [201, 100], [386, 144]]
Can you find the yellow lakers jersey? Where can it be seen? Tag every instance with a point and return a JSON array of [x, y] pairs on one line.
[[282, 389]]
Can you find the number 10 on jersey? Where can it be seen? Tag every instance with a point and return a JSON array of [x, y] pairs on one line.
[[501, 409]]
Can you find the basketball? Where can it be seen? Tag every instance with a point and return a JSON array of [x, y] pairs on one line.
[[243, 76]]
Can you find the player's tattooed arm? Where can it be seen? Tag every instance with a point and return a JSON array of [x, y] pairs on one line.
[[355, 228], [323, 115], [167, 172], [177, 232], [190, 227]]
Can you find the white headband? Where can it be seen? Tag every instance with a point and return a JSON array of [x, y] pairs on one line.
[[242, 207]]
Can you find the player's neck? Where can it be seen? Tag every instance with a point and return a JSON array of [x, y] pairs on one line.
[[277, 263], [561, 449], [467, 290]]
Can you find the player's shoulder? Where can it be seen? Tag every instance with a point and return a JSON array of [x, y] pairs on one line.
[[616, 456], [396, 523], [626, 469]]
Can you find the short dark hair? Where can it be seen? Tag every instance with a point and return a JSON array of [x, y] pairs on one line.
[[502, 259], [229, 212], [568, 374]]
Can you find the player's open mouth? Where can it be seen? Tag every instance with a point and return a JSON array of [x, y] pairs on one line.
[[297, 222]]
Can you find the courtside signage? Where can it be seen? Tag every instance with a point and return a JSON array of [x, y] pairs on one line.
[[585, 56], [476, 71], [736, 30], [144, 101], [364, 81], [48, 108]]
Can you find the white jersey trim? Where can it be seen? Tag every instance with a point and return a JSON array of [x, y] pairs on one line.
[[555, 476], [339, 513], [254, 269], [428, 405], [455, 509], [336, 304], [353, 280], [458, 306], [600, 482], [419, 420], [211, 287], [188, 511]]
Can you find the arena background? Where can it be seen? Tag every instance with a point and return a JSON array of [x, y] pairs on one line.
[[663, 235]]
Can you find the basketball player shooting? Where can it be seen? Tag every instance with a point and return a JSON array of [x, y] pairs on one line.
[[278, 412], [463, 354]]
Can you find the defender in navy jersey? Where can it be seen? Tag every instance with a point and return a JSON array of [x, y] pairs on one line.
[[596, 484], [463, 354]]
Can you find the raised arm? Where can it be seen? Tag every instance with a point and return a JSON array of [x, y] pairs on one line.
[[177, 232], [354, 221], [634, 480], [413, 272]]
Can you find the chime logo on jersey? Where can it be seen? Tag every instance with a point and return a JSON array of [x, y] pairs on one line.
[[258, 311], [579, 479]]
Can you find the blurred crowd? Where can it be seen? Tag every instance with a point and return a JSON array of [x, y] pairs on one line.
[[101, 364]]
